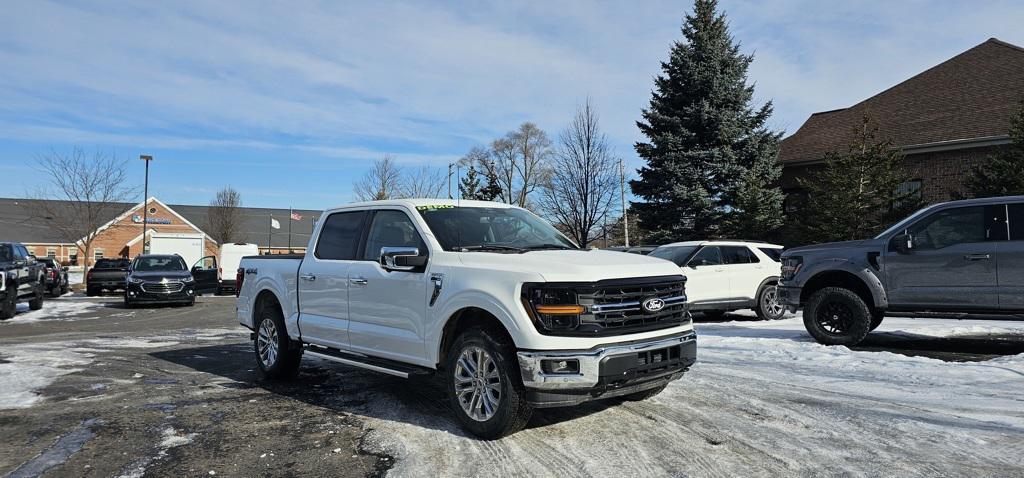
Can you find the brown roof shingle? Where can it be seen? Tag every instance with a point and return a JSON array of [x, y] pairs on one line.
[[969, 96]]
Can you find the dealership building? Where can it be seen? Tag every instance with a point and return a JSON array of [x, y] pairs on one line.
[[121, 236]]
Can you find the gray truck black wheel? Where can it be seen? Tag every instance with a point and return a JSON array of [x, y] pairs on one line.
[[275, 356], [37, 301], [768, 306], [837, 316], [484, 386]]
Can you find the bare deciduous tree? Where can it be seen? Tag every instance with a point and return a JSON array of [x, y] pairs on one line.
[[382, 181], [224, 218], [519, 161], [422, 182], [82, 192], [583, 181]]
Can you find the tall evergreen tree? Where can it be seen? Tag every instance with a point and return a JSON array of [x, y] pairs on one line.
[[858, 193], [708, 148], [492, 190], [1003, 173]]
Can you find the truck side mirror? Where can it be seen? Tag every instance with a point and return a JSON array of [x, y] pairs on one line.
[[903, 243], [401, 258]]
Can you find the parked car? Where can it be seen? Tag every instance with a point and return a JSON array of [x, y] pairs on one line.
[[504, 308], [21, 279], [106, 275], [728, 275], [642, 250], [956, 257], [159, 279], [56, 277]]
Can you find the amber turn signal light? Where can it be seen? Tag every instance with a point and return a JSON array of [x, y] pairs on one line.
[[560, 309]]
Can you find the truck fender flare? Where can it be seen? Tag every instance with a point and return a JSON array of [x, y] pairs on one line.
[[267, 285], [465, 300], [865, 274]]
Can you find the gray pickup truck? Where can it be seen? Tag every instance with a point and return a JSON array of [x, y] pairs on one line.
[[960, 257]]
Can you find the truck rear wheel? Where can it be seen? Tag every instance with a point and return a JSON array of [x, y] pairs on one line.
[[837, 316], [37, 300], [277, 359], [484, 385]]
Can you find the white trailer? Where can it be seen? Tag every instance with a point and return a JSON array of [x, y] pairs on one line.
[[190, 247]]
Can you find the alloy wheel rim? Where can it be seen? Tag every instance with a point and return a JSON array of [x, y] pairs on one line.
[[477, 383], [266, 343], [771, 302], [834, 318]]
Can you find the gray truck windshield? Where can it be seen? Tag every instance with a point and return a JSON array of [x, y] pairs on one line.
[[491, 229]]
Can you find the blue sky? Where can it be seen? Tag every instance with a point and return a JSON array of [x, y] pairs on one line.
[[289, 102]]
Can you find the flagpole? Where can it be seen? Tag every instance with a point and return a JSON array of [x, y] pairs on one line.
[[270, 233], [290, 230]]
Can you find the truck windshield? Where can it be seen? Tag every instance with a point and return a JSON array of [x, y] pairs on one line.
[[677, 254], [5, 254], [160, 263], [491, 229], [903, 223]]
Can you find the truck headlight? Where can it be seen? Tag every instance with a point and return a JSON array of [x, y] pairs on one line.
[[791, 266], [552, 309]]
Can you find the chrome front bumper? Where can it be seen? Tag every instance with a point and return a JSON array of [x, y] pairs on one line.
[[590, 361]]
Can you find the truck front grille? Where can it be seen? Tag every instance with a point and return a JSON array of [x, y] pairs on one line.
[[613, 307], [162, 287]]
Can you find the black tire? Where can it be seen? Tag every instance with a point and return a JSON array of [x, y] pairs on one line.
[[713, 313], [837, 316], [285, 364], [768, 307], [37, 300], [512, 411], [8, 306], [91, 292], [64, 288], [128, 304], [876, 319], [644, 395]]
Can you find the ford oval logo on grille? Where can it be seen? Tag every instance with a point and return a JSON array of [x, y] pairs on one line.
[[653, 304]]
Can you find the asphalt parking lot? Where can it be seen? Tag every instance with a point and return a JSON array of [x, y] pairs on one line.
[[92, 389]]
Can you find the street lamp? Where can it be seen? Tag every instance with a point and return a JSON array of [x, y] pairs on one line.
[[145, 203]]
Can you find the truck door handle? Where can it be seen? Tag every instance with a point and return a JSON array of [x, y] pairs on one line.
[[977, 257], [309, 277], [358, 280]]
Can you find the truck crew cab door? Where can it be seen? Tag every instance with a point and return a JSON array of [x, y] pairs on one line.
[[323, 280], [952, 264], [387, 306], [204, 272]]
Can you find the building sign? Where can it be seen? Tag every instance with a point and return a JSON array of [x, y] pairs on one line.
[[150, 220]]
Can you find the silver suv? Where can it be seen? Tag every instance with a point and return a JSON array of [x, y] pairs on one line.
[[955, 257]]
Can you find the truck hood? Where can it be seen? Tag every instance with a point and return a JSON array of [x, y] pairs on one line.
[[573, 266], [828, 246]]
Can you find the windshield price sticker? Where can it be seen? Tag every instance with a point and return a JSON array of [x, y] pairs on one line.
[[434, 206]]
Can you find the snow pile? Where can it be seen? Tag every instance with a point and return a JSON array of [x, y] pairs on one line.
[[62, 309]]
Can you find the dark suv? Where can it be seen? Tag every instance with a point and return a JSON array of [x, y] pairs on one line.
[[959, 257]]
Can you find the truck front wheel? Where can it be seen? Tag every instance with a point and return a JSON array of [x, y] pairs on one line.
[[37, 301], [8, 305], [484, 386], [277, 359], [837, 316]]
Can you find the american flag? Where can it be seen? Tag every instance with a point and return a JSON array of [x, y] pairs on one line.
[[296, 216]]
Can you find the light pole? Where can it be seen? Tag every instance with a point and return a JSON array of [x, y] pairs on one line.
[[145, 203]]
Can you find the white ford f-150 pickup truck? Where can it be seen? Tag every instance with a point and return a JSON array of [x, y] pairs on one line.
[[493, 299]]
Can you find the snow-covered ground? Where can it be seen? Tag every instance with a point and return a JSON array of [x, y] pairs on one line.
[[764, 399]]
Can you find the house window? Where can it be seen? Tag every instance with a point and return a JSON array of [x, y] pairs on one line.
[[911, 190], [795, 200], [73, 258], [98, 254], [51, 253]]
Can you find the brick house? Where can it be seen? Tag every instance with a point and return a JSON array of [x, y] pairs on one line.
[[122, 235], [945, 120]]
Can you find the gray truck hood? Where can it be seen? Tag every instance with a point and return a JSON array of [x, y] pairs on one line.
[[832, 246]]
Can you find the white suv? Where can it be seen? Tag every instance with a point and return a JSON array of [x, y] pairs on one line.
[[728, 275]]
